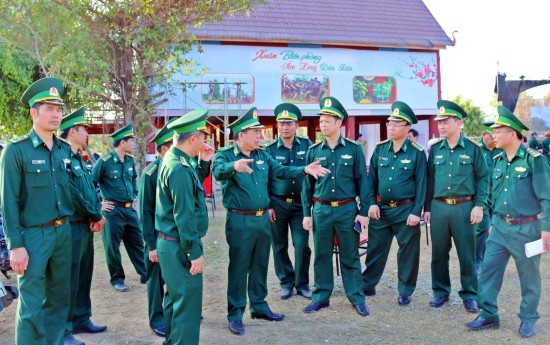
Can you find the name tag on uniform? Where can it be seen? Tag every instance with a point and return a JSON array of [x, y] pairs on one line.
[[405, 161], [321, 158], [464, 156], [439, 156], [259, 162], [521, 169], [77, 167], [299, 153], [113, 171], [38, 161], [280, 157], [383, 158], [346, 156]]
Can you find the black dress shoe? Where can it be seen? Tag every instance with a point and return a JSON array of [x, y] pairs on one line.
[[369, 292], [286, 293], [90, 327], [527, 330], [404, 300], [471, 306], [71, 340], [236, 327], [143, 279], [480, 323], [437, 302], [315, 306], [269, 316], [160, 331], [361, 309], [305, 292]]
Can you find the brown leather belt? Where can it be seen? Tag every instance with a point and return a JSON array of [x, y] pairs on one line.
[[56, 222], [520, 220], [121, 204], [249, 213], [394, 204], [333, 203], [168, 238], [83, 221], [455, 201], [289, 198]]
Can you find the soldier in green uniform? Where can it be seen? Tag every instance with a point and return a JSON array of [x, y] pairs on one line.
[[533, 142], [85, 221], [244, 171], [397, 175], [458, 185], [116, 175], [147, 200], [521, 199], [545, 145], [286, 203], [332, 202], [36, 205], [482, 228], [182, 221]]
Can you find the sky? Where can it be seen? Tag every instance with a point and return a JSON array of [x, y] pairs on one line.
[[508, 35]]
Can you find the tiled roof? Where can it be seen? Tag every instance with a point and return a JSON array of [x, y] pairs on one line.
[[377, 23]]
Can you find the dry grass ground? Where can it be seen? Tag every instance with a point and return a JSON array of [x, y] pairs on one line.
[[126, 313]]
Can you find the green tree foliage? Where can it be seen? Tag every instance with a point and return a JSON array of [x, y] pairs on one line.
[[118, 54], [17, 72], [473, 122]]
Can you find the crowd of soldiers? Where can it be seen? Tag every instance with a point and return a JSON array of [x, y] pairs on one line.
[[490, 198]]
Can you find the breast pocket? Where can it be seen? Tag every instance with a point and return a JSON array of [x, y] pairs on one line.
[[300, 161], [62, 173], [38, 175], [345, 167], [262, 172], [465, 167], [115, 174], [281, 160], [521, 180]]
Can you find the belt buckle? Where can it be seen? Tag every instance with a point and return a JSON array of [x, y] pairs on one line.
[[392, 204], [128, 204], [289, 200], [58, 222], [259, 213], [450, 201], [334, 204]]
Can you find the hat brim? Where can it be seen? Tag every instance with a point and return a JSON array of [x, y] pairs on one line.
[[52, 101], [441, 118], [397, 119]]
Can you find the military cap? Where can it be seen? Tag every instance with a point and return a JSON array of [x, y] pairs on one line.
[[332, 106], [73, 119], [45, 90], [248, 120], [287, 112], [487, 126], [192, 121], [164, 135], [448, 109], [507, 119], [125, 132], [402, 112]]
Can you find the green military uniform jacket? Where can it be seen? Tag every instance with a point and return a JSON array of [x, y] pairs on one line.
[[398, 175], [31, 174], [534, 144], [522, 186], [180, 207], [296, 156], [147, 199], [248, 192], [347, 179], [117, 180], [458, 172], [489, 156], [86, 202], [546, 147]]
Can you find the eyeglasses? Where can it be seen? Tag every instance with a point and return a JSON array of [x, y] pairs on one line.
[[495, 132], [389, 124]]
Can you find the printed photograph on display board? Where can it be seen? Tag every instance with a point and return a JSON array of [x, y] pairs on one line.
[[237, 87], [304, 88], [374, 90]]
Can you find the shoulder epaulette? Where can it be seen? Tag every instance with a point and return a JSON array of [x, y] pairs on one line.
[[271, 143], [312, 146], [107, 157], [19, 139], [151, 169], [302, 137], [225, 148], [130, 155], [476, 143], [382, 142], [437, 141], [352, 141], [184, 162], [533, 153], [65, 141], [498, 155], [417, 146]]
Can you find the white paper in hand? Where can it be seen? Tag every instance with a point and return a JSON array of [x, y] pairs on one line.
[[534, 248]]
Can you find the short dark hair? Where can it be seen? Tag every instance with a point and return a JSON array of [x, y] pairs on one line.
[[37, 105], [181, 138], [358, 135], [116, 143], [520, 136], [159, 147], [65, 133], [414, 132]]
